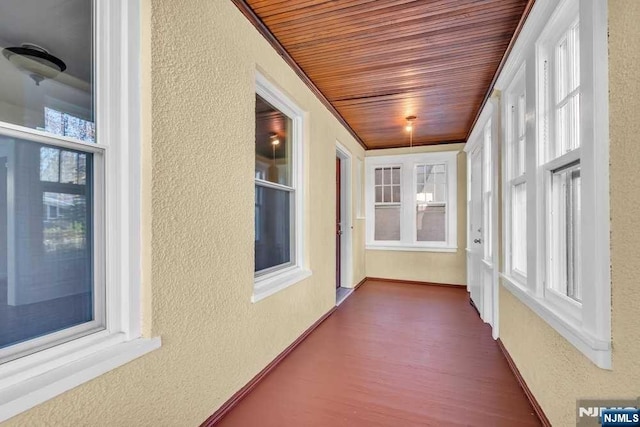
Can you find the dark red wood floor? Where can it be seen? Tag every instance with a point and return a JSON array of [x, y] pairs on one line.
[[392, 355]]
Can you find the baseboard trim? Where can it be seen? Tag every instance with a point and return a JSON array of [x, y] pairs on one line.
[[475, 307], [360, 283], [414, 282], [244, 391], [532, 399]]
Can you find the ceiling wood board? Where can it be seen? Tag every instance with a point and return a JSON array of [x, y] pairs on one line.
[[378, 61]]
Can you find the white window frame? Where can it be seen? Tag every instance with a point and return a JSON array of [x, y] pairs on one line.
[[32, 379], [587, 325], [515, 90], [270, 281], [408, 235]]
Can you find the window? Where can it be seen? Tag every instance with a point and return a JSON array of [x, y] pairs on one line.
[[57, 195], [559, 190], [411, 202], [279, 228], [516, 180], [561, 162], [487, 189]]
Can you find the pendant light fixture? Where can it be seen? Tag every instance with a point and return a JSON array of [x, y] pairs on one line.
[[34, 61], [409, 128]]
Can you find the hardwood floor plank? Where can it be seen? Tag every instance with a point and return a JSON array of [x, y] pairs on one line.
[[393, 354]]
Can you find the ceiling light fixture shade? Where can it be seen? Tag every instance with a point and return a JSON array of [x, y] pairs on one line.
[[35, 61], [409, 128]]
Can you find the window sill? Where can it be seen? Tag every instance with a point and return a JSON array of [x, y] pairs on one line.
[[409, 248], [267, 285], [595, 349], [25, 387]]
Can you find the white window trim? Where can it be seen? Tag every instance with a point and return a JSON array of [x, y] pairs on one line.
[[516, 86], [30, 380], [267, 284], [591, 332], [408, 240]]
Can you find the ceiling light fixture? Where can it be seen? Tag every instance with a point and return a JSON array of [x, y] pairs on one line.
[[274, 144], [409, 128], [35, 61]]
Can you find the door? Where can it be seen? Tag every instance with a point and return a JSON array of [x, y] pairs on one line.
[[475, 270], [338, 221]]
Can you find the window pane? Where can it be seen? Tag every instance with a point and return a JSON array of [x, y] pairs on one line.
[[387, 194], [387, 223], [431, 223], [46, 267], [575, 121], [378, 176], [396, 194], [565, 262], [273, 144], [396, 175], [519, 229], [378, 194], [562, 130], [562, 66], [47, 74], [273, 228]]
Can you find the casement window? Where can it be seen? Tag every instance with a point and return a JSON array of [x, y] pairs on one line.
[[516, 180], [567, 218], [69, 171], [411, 202], [279, 230]]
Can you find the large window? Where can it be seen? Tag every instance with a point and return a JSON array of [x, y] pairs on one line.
[[67, 291], [411, 202], [278, 191], [557, 186]]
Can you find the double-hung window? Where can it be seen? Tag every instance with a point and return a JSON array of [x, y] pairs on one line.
[[69, 197], [516, 180], [568, 274], [411, 202], [279, 232]]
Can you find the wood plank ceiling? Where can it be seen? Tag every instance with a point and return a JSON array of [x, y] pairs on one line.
[[379, 61]]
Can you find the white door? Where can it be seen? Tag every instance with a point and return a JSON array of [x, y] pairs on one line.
[[475, 269]]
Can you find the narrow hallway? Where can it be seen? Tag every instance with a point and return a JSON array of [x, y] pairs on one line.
[[392, 354]]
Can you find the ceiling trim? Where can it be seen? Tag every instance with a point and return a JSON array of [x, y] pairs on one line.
[[273, 41], [503, 61], [422, 144]]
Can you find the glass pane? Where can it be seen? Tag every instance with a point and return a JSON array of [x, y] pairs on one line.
[[565, 260], [562, 130], [519, 229], [46, 267], [396, 194], [387, 223], [575, 61], [378, 194], [387, 194], [575, 121], [431, 223], [396, 175], [47, 73], [561, 70], [273, 228], [378, 176], [387, 176], [273, 144]]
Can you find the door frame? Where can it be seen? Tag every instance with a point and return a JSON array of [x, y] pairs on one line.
[[346, 199], [491, 111]]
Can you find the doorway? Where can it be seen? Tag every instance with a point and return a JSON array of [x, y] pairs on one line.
[[343, 225]]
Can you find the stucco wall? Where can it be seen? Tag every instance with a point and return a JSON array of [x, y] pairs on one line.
[[199, 60], [434, 267], [556, 372]]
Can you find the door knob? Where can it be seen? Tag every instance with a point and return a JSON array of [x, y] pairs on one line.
[[477, 241]]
